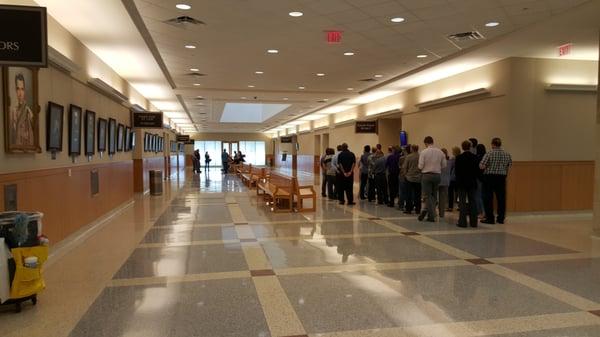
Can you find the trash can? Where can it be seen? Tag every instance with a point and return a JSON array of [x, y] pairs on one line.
[[156, 182]]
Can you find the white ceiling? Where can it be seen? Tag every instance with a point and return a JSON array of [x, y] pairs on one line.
[[232, 46]]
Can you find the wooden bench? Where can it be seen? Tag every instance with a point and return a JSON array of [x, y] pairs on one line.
[[245, 173], [279, 190], [255, 175], [305, 192]]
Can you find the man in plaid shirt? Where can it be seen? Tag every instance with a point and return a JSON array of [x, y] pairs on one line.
[[495, 165]]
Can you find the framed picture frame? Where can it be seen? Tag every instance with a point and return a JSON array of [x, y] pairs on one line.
[[75, 116], [54, 127], [145, 141], [155, 143], [20, 109], [120, 137], [112, 136], [90, 133], [102, 129]]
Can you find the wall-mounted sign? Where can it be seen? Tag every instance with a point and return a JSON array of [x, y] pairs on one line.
[[565, 49], [23, 36], [147, 120], [365, 127], [287, 139], [183, 138]]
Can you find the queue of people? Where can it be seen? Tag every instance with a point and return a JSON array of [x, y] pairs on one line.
[[429, 182]]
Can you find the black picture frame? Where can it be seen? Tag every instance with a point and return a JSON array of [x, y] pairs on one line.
[[54, 127], [120, 137], [112, 136], [127, 146], [75, 117], [90, 133], [102, 129]]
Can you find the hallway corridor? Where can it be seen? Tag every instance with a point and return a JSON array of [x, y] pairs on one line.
[[209, 259]]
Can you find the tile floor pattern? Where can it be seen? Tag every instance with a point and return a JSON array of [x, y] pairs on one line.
[[217, 263]]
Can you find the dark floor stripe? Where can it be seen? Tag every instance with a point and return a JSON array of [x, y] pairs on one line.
[[262, 272], [410, 233], [479, 261]]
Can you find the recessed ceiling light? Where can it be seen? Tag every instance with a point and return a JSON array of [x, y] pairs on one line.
[[350, 89], [378, 76], [285, 98], [194, 69], [422, 56], [250, 86], [397, 20], [272, 51], [184, 7], [301, 88], [243, 97], [349, 53], [492, 24], [259, 72], [196, 84], [320, 74], [190, 46], [296, 14], [326, 99]]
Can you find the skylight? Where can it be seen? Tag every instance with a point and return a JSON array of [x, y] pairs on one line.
[[250, 112]]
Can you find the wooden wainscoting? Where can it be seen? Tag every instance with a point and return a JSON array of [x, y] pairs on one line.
[[65, 197], [141, 172], [550, 186]]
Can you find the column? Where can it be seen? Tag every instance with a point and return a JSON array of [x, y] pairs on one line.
[[596, 221]]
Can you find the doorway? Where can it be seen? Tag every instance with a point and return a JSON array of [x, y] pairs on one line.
[[230, 147]]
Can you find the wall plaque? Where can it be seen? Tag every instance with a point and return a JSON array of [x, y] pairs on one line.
[[23, 36], [183, 138], [287, 139], [148, 120], [365, 127]]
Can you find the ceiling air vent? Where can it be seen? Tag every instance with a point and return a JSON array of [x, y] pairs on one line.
[[466, 36], [184, 22], [368, 80]]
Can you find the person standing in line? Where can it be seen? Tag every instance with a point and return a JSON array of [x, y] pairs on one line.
[[207, 161], [413, 180], [346, 164], [402, 179], [431, 162], [338, 178], [480, 153], [444, 186], [324, 174], [372, 185], [392, 175], [363, 166], [495, 165], [330, 172], [379, 162], [466, 169], [474, 143], [196, 161], [225, 161], [452, 192]]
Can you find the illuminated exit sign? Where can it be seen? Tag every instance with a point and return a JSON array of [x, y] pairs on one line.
[[333, 36], [565, 49]]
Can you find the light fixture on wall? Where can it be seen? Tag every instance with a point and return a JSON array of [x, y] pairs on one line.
[[62, 62], [137, 108], [572, 87], [108, 90], [453, 98]]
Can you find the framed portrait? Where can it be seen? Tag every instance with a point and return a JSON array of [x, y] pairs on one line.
[[75, 113], [112, 136], [120, 137], [127, 146], [155, 143], [21, 110], [145, 141], [102, 126], [54, 127], [90, 133]]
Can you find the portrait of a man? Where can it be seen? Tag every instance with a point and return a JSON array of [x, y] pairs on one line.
[[21, 110]]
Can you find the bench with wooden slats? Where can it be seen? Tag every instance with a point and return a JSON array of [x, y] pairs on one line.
[[279, 190], [246, 173], [305, 192]]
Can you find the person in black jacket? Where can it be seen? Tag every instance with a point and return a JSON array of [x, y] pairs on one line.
[[466, 170]]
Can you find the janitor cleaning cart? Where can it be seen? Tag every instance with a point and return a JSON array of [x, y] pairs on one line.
[[23, 252]]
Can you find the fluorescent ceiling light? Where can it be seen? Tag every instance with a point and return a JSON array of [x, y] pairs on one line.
[[272, 51], [349, 89], [452, 98], [285, 98], [572, 87], [194, 69], [397, 20], [349, 53], [378, 76], [196, 84], [320, 74], [184, 7], [296, 14], [250, 86], [422, 56], [190, 46], [258, 72], [492, 24], [244, 97], [301, 88]]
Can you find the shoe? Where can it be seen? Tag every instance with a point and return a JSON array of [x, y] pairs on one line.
[[461, 226], [422, 216], [489, 222], [351, 203]]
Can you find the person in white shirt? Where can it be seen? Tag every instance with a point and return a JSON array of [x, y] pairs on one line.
[[431, 162], [338, 176]]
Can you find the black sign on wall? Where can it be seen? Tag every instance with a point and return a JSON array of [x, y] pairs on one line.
[[365, 127], [23, 36], [147, 120], [183, 138], [286, 139]]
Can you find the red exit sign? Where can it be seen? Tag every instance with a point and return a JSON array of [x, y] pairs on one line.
[[333, 36], [565, 49]]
